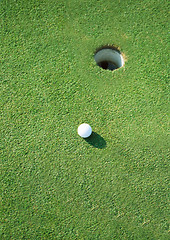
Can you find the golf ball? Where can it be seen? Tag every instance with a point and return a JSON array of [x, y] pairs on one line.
[[84, 130]]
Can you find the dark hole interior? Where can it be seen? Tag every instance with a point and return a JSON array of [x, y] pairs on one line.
[[107, 65], [104, 64]]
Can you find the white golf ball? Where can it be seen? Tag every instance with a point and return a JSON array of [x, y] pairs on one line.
[[84, 130]]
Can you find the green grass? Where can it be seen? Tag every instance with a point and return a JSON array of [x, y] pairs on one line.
[[55, 185]]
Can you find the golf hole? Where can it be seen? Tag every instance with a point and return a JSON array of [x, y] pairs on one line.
[[109, 58]]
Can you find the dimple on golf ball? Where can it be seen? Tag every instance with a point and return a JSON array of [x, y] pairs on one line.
[[84, 130]]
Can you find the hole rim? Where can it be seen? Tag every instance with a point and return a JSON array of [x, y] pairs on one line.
[[114, 48]]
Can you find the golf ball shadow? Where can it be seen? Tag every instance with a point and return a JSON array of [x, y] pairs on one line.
[[96, 140]]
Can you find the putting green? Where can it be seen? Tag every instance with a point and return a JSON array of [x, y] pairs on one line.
[[54, 184]]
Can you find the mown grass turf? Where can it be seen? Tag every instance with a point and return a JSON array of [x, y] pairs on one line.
[[55, 185]]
